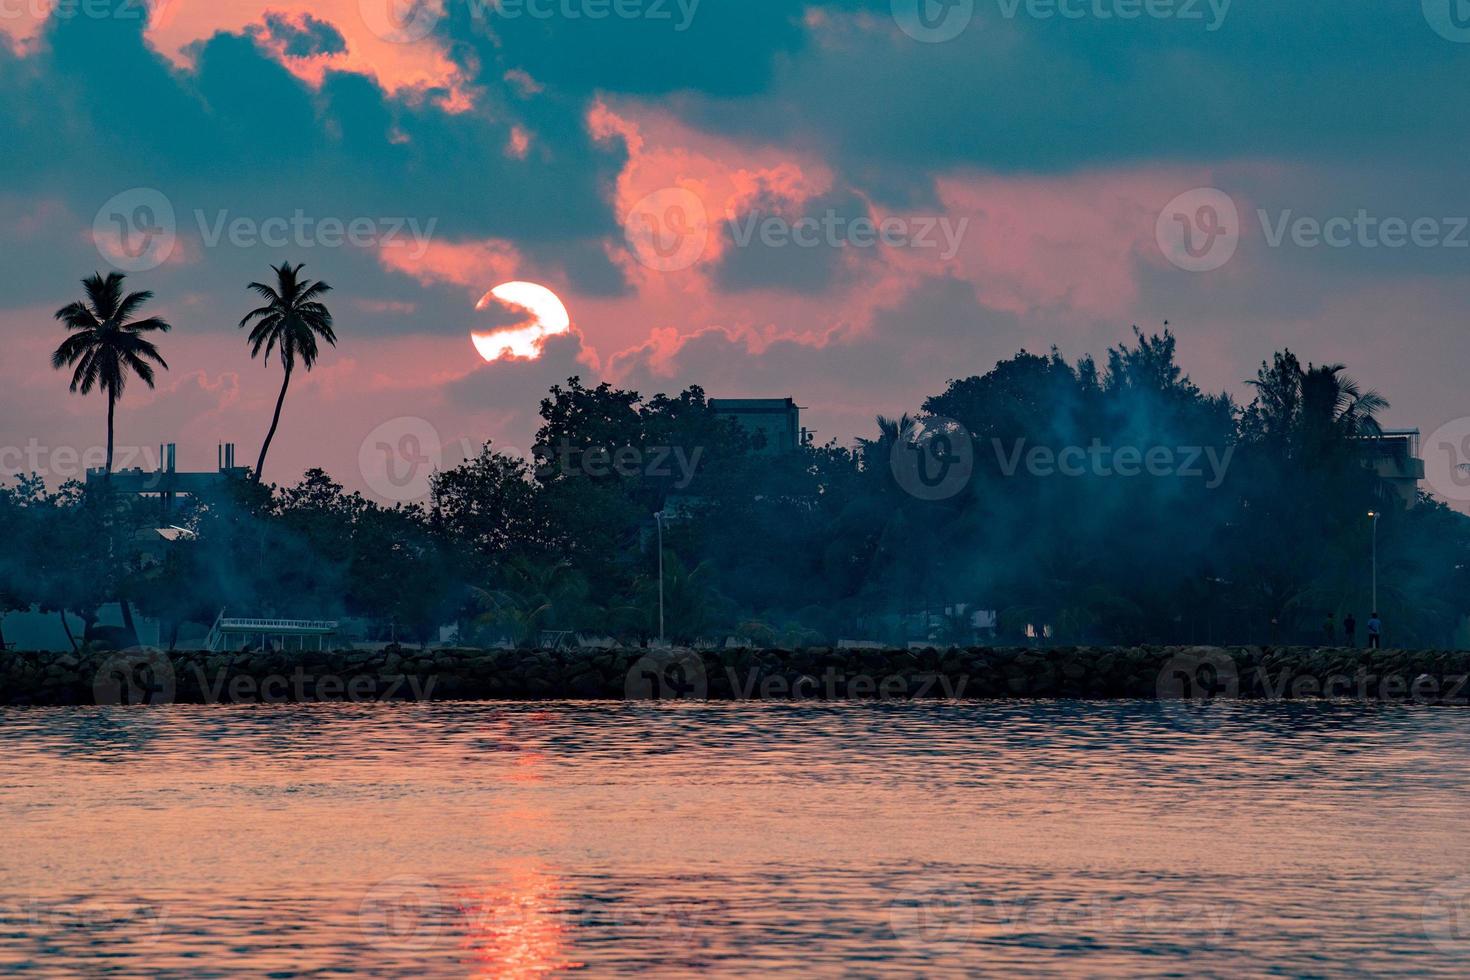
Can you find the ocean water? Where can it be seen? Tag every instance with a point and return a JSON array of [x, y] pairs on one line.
[[855, 839]]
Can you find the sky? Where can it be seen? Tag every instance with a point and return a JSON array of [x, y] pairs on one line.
[[847, 203]]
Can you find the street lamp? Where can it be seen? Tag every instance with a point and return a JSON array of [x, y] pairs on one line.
[[658, 518], [1375, 515]]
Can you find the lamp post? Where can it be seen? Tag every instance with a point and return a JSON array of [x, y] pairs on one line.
[[658, 518], [1375, 515]]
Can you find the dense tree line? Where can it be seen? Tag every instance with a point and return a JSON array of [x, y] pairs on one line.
[[1102, 503]]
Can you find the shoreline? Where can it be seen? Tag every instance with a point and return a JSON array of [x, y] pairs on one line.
[[1186, 674]]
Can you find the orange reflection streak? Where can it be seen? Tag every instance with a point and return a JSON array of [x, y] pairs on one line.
[[519, 930]]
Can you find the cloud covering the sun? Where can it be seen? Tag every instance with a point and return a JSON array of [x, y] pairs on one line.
[[1022, 165]]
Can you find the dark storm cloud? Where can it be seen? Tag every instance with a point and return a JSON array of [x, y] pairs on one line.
[[304, 36], [1314, 79], [654, 47], [241, 132], [809, 249]]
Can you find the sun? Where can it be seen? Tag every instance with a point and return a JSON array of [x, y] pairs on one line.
[[548, 315]]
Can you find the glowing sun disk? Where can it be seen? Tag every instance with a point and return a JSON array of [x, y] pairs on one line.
[[548, 313]]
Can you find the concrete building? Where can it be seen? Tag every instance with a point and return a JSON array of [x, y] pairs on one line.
[[774, 423], [1394, 456], [167, 482]]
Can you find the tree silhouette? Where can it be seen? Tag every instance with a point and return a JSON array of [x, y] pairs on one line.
[[291, 321], [106, 344]]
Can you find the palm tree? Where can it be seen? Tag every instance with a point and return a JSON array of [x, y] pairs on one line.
[[1314, 410], [106, 344], [1334, 406], [875, 452], [292, 319]]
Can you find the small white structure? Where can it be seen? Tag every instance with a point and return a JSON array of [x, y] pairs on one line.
[[270, 634]]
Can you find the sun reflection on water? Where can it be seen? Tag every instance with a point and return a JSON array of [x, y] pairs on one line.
[[518, 929]]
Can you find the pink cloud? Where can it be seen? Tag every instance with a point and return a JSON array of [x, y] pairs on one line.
[[475, 265]]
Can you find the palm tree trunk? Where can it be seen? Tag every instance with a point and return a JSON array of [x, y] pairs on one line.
[[127, 618], [67, 626], [111, 406], [275, 421]]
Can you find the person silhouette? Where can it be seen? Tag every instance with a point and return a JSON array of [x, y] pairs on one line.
[[1375, 631]]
